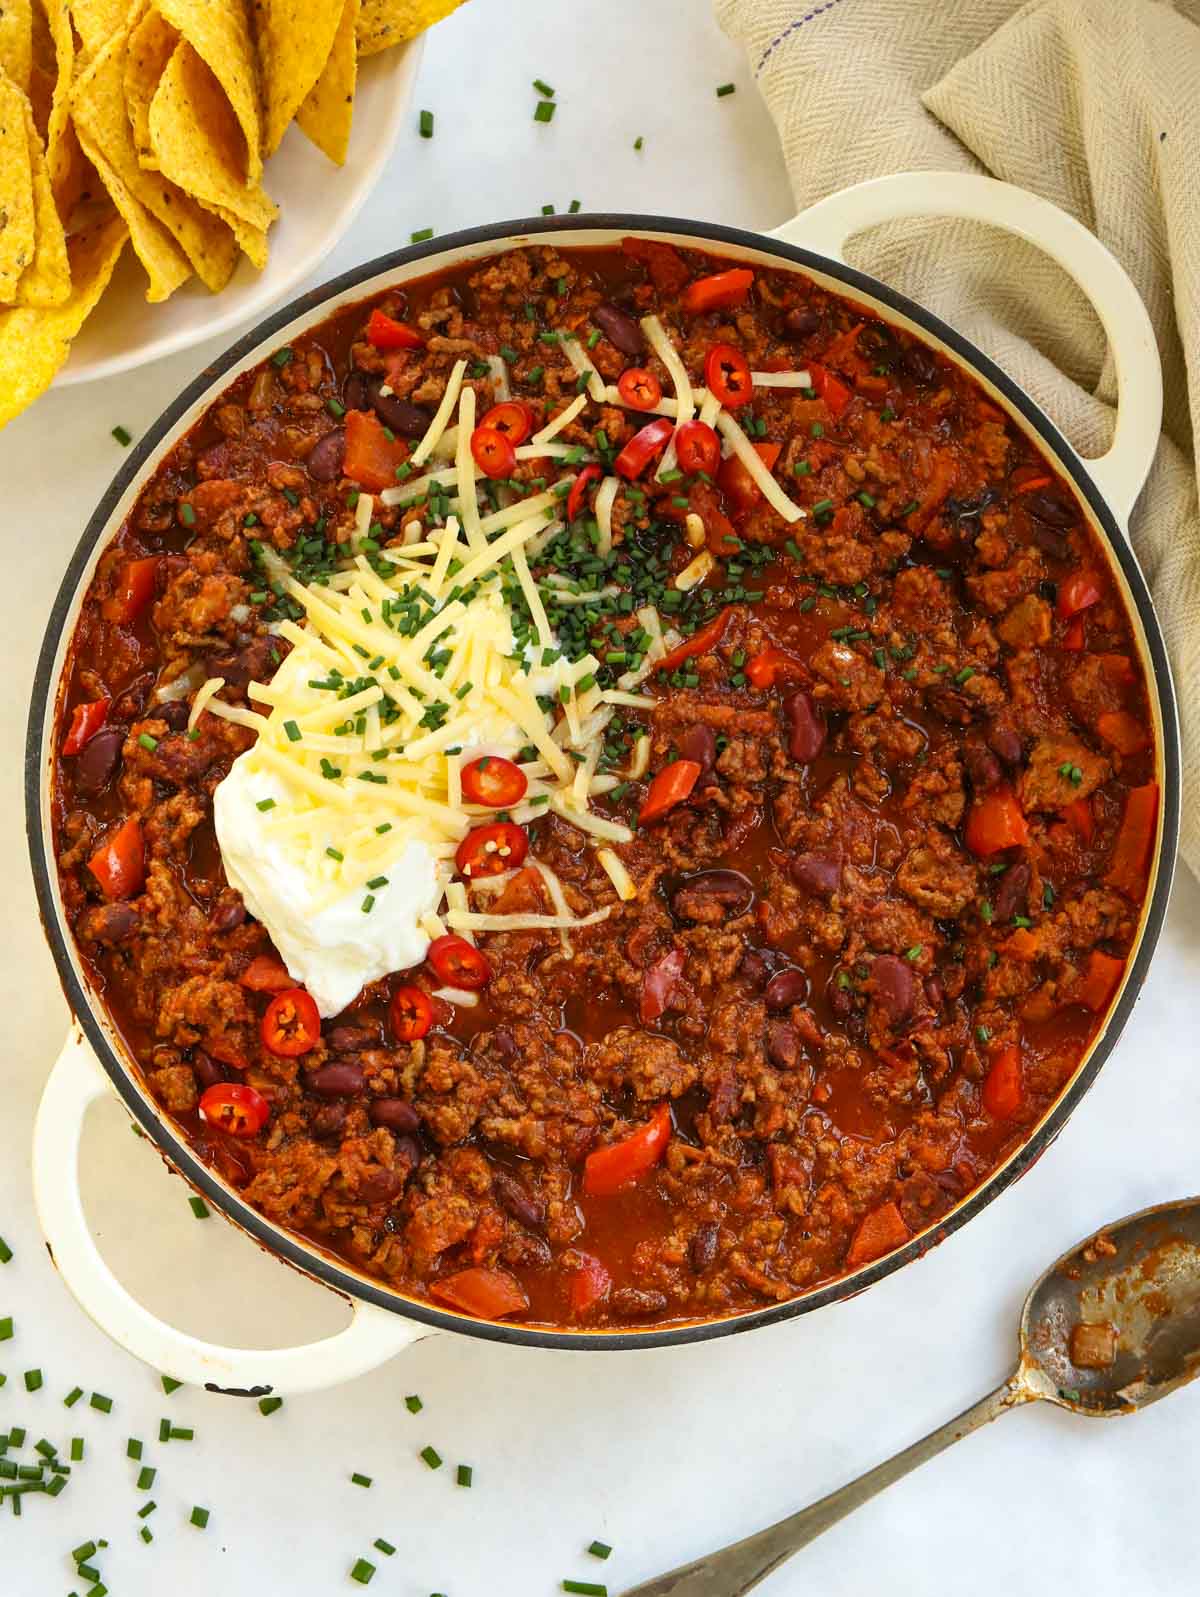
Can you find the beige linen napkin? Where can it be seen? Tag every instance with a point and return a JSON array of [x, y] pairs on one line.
[[1094, 104]]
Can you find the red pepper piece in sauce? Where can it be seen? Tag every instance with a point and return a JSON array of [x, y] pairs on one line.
[[119, 864], [670, 787], [486, 1293], [133, 591], [607, 1170], [86, 721], [385, 332], [721, 291], [1003, 1086]]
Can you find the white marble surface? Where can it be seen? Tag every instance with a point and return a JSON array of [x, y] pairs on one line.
[[663, 1453]]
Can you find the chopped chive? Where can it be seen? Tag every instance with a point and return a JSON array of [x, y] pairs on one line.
[[638, 142], [81, 1554], [864, 498], [147, 741], [545, 111], [413, 1403], [146, 1534], [73, 1397], [543, 88], [170, 1384], [164, 1430], [385, 1548], [292, 730], [421, 235], [199, 1518], [199, 1208], [335, 853], [335, 408], [463, 1474], [123, 436], [599, 1549], [33, 1380], [585, 1588], [724, 89], [77, 1449], [5, 1252], [368, 904], [360, 1480], [432, 1457], [377, 881], [281, 357], [425, 124], [802, 468], [817, 430], [181, 1433], [133, 1449], [6, 1328], [363, 1572], [822, 507], [187, 515], [265, 804], [147, 1509], [914, 953], [145, 1478], [575, 207], [269, 1405]]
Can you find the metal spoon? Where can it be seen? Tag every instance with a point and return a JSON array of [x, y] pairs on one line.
[[1133, 1286]]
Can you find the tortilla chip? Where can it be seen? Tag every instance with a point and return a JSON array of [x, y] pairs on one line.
[[16, 40], [385, 22], [294, 41], [198, 142], [98, 106], [252, 241], [328, 110], [63, 155], [16, 190], [221, 36], [47, 279], [97, 20], [151, 44], [35, 342]]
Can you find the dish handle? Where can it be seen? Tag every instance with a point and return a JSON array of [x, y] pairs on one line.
[[373, 1336], [827, 226]]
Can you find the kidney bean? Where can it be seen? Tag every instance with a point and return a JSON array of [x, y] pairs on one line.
[[250, 663], [819, 873], [336, 1081], [952, 706], [919, 363], [730, 889], [228, 916], [1051, 506], [404, 418], [1005, 741], [96, 765], [934, 991], [530, 1211], [381, 1185], [351, 1040], [354, 391], [699, 743], [128, 705], [754, 967], [327, 456], [785, 988], [174, 712], [783, 1045], [107, 923], [806, 729], [1056, 544], [841, 999], [619, 328], [702, 1249], [894, 985], [982, 767], [410, 1151], [800, 323], [635, 1303], [394, 1113], [209, 1072], [1012, 893], [329, 1120]]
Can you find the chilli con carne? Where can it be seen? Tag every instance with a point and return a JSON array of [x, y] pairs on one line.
[[889, 773]]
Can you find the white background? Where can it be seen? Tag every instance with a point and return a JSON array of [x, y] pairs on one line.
[[665, 1454]]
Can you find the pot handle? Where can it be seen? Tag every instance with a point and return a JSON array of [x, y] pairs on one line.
[[1120, 472], [373, 1336]]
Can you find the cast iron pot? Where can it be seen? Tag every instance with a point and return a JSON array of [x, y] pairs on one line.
[[94, 1059]]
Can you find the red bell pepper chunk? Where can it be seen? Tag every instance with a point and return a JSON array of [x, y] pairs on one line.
[[609, 1169], [736, 483], [658, 984], [703, 640], [385, 332], [1100, 981], [133, 590], [721, 291], [643, 446], [1004, 1086], [829, 387], [670, 787], [1077, 592], [1131, 852], [1078, 816], [119, 864], [995, 823], [371, 456], [86, 721], [880, 1232], [589, 1285], [1124, 731], [579, 487], [486, 1293], [765, 669], [266, 974], [667, 267]]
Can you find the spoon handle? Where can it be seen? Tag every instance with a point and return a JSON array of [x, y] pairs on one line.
[[735, 1569]]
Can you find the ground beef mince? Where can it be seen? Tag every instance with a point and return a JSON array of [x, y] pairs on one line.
[[904, 806]]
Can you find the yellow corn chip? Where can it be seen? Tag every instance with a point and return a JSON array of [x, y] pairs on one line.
[[328, 109], [252, 241], [98, 107], [151, 44], [221, 36], [96, 21], [294, 41], [63, 156], [34, 342], [16, 190], [16, 41], [198, 143], [385, 22], [47, 279]]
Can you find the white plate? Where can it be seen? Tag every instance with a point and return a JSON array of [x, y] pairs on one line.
[[317, 203]]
